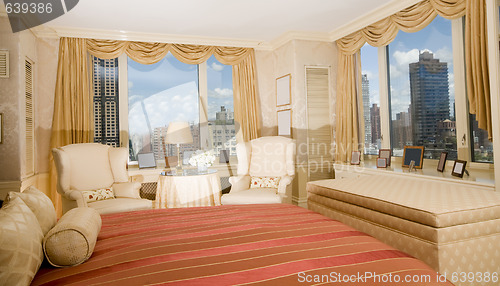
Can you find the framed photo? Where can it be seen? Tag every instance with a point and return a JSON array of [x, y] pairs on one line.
[[385, 153], [146, 160], [459, 168], [442, 161], [415, 153], [283, 90], [381, 162], [355, 157], [285, 122], [1, 128]]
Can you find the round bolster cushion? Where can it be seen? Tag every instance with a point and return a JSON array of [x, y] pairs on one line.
[[72, 240]]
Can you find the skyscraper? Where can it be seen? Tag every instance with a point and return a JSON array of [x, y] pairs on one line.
[[365, 89], [375, 123], [430, 100]]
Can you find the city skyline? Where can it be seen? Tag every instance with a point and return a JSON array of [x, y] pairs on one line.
[[221, 136]]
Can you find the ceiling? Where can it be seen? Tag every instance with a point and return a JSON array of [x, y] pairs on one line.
[[255, 21]]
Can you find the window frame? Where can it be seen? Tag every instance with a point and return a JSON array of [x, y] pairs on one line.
[[464, 146]]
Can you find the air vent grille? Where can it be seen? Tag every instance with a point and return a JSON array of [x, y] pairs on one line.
[[4, 64]]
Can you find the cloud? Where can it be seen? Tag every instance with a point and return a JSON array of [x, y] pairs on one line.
[[179, 103], [216, 67], [444, 55], [220, 93]]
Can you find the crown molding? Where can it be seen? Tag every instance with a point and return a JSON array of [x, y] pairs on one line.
[[298, 35], [156, 37], [362, 21], [43, 31]]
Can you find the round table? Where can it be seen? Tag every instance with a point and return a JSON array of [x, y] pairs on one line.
[[188, 188]]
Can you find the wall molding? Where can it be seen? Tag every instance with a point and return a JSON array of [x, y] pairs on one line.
[[300, 201], [9, 186], [39, 181], [149, 37]]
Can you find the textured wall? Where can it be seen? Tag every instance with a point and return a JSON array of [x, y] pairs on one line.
[[10, 154], [43, 53], [47, 50]]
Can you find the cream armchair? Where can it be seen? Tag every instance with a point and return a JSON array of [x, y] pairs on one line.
[[271, 156], [93, 166]]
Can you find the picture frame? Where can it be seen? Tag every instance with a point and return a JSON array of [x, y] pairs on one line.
[[283, 90], [285, 122], [385, 153], [458, 168], [442, 161], [415, 153], [355, 157], [381, 162], [1, 128], [146, 160]]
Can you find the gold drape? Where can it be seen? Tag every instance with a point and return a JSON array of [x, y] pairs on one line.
[[346, 135], [476, 58], [413, 19], [72, 119], [72, 111]]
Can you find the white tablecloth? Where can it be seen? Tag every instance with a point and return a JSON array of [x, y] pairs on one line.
[[188, 191]]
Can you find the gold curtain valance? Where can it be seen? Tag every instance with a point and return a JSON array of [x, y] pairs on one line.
[[411, 19], [150, 53]]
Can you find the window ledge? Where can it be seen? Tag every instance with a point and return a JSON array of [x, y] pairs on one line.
[[481, 174]]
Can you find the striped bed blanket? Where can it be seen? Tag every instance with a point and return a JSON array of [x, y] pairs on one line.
[[235, 245]]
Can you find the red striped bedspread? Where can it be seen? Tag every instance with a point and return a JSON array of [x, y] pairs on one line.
[[231, 245]]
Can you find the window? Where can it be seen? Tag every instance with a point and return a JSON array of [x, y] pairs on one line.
[[422, 97], [158, 94], [371, 98], [220, 106]]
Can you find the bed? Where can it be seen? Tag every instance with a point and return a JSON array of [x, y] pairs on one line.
[[228, 245]]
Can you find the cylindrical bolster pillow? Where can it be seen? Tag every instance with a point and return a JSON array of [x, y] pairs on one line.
[[72, 240]]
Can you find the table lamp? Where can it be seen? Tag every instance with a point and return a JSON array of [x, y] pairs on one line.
[[178, 133]]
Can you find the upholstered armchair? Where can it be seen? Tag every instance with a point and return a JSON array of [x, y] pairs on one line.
[[266, 167], [84, 168]]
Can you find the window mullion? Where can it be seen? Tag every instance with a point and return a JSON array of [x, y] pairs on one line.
[[123, 99], [385, 111], [203, 105], [464, 144]]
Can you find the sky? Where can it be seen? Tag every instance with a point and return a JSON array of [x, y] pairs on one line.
[[168, 91], [405, 48]]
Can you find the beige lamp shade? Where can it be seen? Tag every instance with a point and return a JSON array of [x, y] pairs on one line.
[[178, 133]]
